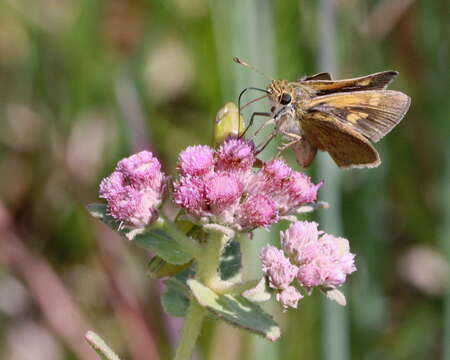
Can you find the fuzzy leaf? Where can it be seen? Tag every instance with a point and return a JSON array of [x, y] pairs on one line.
[[175, 300], [158, 268], [230, 261], [155, 239], [100, 347], [99, 212], [259, 293], [236, 310], [159, 242]]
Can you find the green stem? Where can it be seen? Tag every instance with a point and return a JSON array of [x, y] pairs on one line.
[[207, 273], [191, 330], [186, 242], [208, 263]]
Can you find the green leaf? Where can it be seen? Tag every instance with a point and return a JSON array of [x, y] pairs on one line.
[[159, 242], [175, 300], [230, 261], [259, 293], [100, 347], [155, 238], [236, 310], [158, 268], [99, 211]]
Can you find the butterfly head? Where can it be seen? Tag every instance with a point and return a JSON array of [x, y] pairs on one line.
[[280, 92]]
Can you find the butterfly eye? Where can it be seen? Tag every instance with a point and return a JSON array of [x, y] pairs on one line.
[[285, 99]]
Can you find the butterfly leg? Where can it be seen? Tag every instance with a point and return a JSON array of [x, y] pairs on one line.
[[264, 145], [290, 135], [263, 126], [286, 146], [252, 118]]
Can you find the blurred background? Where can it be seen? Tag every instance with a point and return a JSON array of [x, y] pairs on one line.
[[85, 83]]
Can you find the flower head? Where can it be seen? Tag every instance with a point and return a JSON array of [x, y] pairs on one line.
[[141, 169], [236, 154], [223, 188], [220, 186], [288, 188], [301, 189], [273, 175], [308, 255], [189, 193], [277, 267], [289, 297], [196, 160], [257, 210], [299, 241], [322, 259], [134, 191]]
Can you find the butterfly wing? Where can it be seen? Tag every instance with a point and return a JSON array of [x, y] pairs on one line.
[[321, 86], [319, 76], [347, 147], [372, 113]]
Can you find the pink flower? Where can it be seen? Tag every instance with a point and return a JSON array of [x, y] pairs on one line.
[[220, 186], [223, 188], [189, 193], [277, 267], [289, 297], [122, 199], [273, 176], [142, 169], [196, 160], [236, 154], [299, 241], [322, 259], [301, 190], [134, 191], [288, 188], [257, 210]]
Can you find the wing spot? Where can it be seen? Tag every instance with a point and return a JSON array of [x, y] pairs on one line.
[[364, 82], [354, 117]]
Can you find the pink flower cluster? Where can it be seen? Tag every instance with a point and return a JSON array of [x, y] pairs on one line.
[[219, 186], [308, 255], [134, 190]]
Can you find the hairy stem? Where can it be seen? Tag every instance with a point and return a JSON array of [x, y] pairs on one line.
[[191, 330], [208, 263], [185, 241], [207, 273]]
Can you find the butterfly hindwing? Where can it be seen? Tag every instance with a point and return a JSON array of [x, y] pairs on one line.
[[346, 146]]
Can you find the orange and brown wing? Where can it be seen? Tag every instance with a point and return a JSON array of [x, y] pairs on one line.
[[321, 86], [347, 147], [372, 113]]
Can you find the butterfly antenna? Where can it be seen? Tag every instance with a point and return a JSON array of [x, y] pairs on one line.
[[242, 62]]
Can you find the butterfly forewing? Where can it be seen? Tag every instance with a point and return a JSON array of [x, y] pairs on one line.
[[319, 76], [377, 81], [372, 113]]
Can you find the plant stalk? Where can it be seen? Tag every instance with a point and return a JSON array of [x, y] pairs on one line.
[[191, 331], [207, 272], [185, 241]]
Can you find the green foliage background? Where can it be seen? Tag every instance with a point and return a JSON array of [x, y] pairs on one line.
[[85, 83]]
